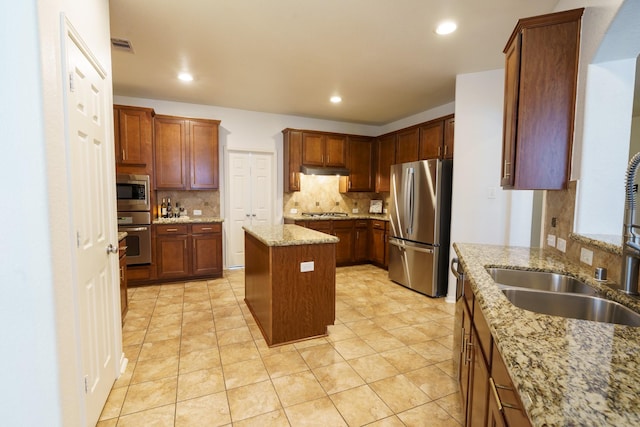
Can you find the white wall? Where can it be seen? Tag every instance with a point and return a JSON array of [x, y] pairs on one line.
[[477, 217]]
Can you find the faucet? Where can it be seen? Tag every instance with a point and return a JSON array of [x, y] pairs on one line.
[[631, 240]]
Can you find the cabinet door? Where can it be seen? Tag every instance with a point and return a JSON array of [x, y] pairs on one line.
[[407, 145], [377, 246], [134, 136], [170, 153], [479, 387], [172, 256], [361, 242], [335, 151], [431, 140], [207, 254], [463, 337], [292, 159], [312, 149], [494, 415], [385, 157], [511, 84], [360, 164], [449, 125], [345, 247], [203, 148]]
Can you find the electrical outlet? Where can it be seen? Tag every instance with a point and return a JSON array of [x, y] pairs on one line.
[[306, 266], [197, 212], [293, 211], [562, 245], [355, 210], [551, 240], [586, 256]]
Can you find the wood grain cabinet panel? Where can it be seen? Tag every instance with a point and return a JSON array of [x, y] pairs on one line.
[[431, 140], [407, 145], [449, 127], [541, 69], [133, 137], [385, 157], [360, 162], [323, 149], [204, 162], [292, 150]]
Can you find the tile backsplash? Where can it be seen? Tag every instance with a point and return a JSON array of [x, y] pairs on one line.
[[208, 201], [322, 194]]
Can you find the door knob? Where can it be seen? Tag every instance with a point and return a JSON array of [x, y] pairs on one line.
[[112, 249]]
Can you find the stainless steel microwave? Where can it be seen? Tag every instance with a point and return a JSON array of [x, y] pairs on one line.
[[132, 192]]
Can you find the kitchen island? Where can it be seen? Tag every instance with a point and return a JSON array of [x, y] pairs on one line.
[[290, 281], [566, 371]]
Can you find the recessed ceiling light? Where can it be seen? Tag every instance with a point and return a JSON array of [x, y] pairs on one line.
[[335, 99], [446, 27], [185, 77]]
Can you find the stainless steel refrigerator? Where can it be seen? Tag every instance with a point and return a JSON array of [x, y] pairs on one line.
[[420, 216]]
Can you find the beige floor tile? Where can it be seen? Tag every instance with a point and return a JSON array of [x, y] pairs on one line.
[[453, 405], [352, 348], [210, 410], [244, 373], [404, 359], [133, 338], [197, 342], [164, 310], [399, 393], [286, 363], [173, 300], [409, 335], [298, 388], [252, 400], [373, 368], [196, 316], [136, 323], [226, 311], [316, 413], [321, 355], [197, 305], [301, 345], [437, 416], [234, 353], [149, 395], [159, 349], [163, 416], [433, 381], [198, 328], [125, 378], [132, 352], [108, 423], [159, 322], [448, 367], [114, 403], [234, 336], [271, 419], [383, 341], [199, 359], [389, 321], [337, 377], [200, 383], [392, 421], [432, 351], [360, 406], [163, 334], [364, 327], [230, 322], [339, 332], [154, 369]]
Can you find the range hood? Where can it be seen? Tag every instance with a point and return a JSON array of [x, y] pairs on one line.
[[316, 170]]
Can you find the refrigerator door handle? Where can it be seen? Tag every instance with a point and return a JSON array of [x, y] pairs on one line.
[[404, 246], [409, 200]]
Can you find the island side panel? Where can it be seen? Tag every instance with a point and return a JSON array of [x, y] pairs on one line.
[[303, 302], [258, 289]]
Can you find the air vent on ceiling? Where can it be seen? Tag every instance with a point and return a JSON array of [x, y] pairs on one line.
[[122, 44]]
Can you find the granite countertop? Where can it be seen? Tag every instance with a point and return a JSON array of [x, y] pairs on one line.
[[188, 220], [122, 235], [288, 235], [300, 217], [567, 371]]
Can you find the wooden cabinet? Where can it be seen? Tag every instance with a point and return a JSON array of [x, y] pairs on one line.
[[345, 231], [385, 157], [361, 241], [449, 126], [124, 299], [133, 137], [292, 153], [541, 68], [186, 153], [506, 398], [378, 248], [407, 145], [324, 149], [360, 162], [189, 250], [431, 140]]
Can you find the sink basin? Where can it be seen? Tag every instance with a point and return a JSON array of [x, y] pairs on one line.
[[574, 306], [540, 280]]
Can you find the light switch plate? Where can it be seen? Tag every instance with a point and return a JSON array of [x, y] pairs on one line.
[[551, 240], [561, 245], [586, 256], [491, 193], [306, 266], [197, 212]]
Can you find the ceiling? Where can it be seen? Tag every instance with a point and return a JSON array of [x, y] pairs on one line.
[[289, 56]]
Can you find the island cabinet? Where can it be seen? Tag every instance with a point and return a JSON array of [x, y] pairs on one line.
[[324, 149], [188, 250], [385, 157], [488, 395], [133, 137], [186, 153], [290, 276], [292, 154], [541, 69]]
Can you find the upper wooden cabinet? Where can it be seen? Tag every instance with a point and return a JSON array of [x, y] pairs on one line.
[[292, 154], [449, 126], [407, 145], [431, 140], [186, 153], [360, 162], [385, 157], [323, 149], [541, 68], [133, 136]]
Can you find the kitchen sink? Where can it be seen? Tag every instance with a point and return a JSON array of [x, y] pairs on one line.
[[574, 306], [539, 280]]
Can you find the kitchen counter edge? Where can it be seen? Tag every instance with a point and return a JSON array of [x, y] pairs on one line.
[[288, 235], [198, 220]]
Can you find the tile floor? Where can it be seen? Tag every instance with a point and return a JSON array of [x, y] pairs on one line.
[[197, 358]]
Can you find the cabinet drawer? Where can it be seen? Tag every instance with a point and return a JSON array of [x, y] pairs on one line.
[[171, 229], [206, 228], [347, 223], [362, 223], [508, 396], [376, 223], [320, 225]]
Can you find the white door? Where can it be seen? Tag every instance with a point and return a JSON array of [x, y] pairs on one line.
[[91, 181], [250, 198]]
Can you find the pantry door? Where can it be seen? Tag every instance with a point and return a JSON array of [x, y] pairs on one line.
[[92, 183], [250, 193]]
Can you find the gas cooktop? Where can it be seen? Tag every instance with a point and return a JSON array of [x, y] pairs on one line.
[[324, 214]]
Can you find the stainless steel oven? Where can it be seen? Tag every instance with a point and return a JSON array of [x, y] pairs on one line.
[[138, 228], [132, 192]]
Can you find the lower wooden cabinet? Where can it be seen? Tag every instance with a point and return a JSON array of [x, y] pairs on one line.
[[378, 247], [345, 231], [188, 250], [361, 241], [124, 299]]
